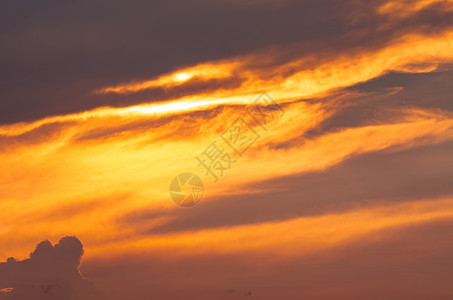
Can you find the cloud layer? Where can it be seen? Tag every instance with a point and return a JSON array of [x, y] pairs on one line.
[[51, 272], [348, 192]]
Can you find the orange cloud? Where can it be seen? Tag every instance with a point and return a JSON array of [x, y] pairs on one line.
[[80, 172], [123, 164], [291, 238]]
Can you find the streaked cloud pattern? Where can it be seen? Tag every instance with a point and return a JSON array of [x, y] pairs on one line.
[[348, 195]]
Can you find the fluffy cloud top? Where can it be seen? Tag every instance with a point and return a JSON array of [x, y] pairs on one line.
[[51, 272]]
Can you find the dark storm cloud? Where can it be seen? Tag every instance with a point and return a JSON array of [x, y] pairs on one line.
[[51, 272], [54, 54]]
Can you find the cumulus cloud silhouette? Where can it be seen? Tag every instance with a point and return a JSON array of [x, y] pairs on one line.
[[51, 272]]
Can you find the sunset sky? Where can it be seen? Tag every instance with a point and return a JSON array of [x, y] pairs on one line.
[[333, 126]]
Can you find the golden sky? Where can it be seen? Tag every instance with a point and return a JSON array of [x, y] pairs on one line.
[[345, 193]]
